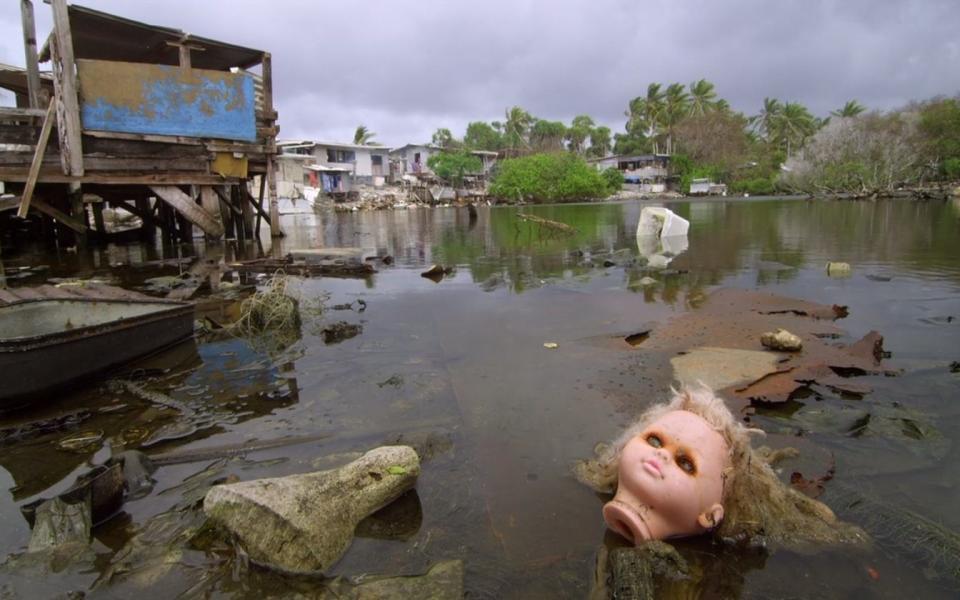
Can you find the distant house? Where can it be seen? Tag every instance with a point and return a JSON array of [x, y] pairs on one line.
[[411, 160], [647, 172], [705, 187], [333, 166]]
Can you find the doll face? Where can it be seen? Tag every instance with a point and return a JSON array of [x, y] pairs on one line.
[[670, 480]]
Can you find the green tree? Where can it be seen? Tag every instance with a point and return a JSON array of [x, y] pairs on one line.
[[675, 107], [516, 127], [443, 138], [578, 132], [600, 141], [482, 136], [939, 126], [850, 109], [547, 135], [702, 97], [767, 121], [644, 114], [363, 136], [794, 125], [452, 166]]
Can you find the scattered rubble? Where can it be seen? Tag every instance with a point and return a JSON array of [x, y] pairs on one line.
[[335, 333], [444, 581], [436, 272], [304, 523]]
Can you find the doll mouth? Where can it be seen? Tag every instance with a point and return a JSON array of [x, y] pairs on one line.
[[653, 468], [625, 521]]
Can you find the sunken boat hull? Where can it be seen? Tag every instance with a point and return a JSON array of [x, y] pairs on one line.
[[51, 343]]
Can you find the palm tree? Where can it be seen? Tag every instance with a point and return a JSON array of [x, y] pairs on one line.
[[675, 108], [516, 127], [363, 136], [795, 125], [645, 113], [850, 109], [766, 122], [702, 97]]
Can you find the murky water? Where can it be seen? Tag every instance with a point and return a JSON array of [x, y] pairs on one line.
[[458, 368]]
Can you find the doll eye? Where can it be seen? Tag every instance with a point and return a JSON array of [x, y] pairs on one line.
[[685, 463], [654, 440]]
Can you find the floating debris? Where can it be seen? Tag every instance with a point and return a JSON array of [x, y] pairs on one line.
[[555, 226], [781, 340], [838, 269], [81, 442], [340, 331], [551, 345]]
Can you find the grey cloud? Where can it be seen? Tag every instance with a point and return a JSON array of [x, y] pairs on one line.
[[406, 68]]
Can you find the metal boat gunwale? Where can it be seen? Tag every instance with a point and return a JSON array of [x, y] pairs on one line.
[[23, 343]]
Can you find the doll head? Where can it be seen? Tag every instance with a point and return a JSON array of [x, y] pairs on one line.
[[686, 467], [670, 479], [671, 470]]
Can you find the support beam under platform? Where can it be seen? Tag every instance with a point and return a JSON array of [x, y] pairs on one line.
[[188, 207]]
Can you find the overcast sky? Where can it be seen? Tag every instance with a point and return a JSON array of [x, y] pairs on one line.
[[404, 69]]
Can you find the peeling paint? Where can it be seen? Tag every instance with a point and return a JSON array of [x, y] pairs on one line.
[[163, 100]]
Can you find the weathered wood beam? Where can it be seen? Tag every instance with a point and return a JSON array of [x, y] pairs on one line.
[[65, 91], [41, 206], [48, 175], [37, 160], [186, 206], [145, 137], [9, 204], [274, 202], [30, 53], [8, 113], [210, 202]]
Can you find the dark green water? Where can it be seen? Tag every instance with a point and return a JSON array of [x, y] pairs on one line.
[[459, 367]]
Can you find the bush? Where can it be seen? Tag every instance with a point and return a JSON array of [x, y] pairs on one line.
[[556, 177], [757, 186], [951, 169], [614, 179]]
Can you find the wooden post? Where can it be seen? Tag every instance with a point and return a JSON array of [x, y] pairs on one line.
[[267, 68], [65, 91], [79, 213], [211, 204], [148, 227], [30, 53], [246, 208], [98, 220], [263, 184]]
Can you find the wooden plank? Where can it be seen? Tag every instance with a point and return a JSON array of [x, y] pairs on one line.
[[143, 137], [186, 206], [10, 113], [9, 203], [68, 108], [30, 53], [40, 205], [18, 133], [55, 176], [37, 161], [115, 163], [210, 202], [100, 146]]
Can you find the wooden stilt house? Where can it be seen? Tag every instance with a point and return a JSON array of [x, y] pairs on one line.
[[169, 126]]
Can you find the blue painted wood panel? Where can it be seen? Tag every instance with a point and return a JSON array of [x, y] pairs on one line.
[[163, 100]]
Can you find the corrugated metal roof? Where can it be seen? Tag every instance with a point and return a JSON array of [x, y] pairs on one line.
[[102, 36]]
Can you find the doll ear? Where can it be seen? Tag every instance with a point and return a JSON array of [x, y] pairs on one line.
[[711, 517]]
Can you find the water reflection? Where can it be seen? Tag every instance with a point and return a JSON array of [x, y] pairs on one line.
[[463, 361]]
